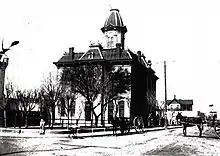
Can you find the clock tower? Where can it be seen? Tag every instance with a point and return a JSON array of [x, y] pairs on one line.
[[113, 30]]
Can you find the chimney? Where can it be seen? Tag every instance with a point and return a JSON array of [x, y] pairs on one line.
[[139, 56], [174, 96], [149, 63], [6, 60], [118, 48], [71, 52]]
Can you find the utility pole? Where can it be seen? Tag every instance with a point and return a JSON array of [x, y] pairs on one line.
[[165, 86], [3, 65]]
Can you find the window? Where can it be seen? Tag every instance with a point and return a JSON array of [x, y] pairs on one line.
[[121, 108], [178, 107], [62, 107], [116, 39], [183, 107], [90, 55], [110, 111], [73, 109], [189, 107], [87, 111]]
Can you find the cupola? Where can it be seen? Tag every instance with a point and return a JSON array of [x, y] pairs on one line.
[[114, 30]]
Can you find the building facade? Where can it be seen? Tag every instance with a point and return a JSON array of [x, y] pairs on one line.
[[3, 66], [139, 99], [185, 107]]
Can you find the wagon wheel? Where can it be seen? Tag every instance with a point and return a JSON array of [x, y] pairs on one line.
[[127, 129], [217, 129], [138, 124], [122, 131]]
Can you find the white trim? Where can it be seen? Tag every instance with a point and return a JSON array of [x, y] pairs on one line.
[[100, 53], [92, 49], [120, 19], [83, 55], [145, 62], [129, 54], [115, 14]]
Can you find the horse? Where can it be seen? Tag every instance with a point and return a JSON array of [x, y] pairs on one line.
[[190, 121], [115, 123], [121, 124]]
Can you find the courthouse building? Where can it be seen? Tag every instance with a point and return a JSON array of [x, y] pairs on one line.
[[141, 98]]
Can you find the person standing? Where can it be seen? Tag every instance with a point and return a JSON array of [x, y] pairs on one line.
[[42, 127]]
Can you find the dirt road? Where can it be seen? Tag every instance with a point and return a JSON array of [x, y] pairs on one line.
[[165, 142]]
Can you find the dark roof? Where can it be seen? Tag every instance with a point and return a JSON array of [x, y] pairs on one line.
[[180, 101], [95, 55], [112, 54], [68, 57]]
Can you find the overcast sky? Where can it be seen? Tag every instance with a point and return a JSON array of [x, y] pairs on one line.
[[184, 33]]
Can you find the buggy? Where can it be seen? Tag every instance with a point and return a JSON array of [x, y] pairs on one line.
[[125, 124], [198, 121]]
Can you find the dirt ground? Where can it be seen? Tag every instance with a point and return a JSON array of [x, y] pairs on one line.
[[164, 143]]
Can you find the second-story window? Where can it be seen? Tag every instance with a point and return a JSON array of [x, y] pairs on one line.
[[90, 55]]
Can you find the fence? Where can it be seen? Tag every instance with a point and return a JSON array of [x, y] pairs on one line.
[[63, 122]]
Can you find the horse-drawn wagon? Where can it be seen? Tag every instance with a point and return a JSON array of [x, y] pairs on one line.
[[125, 124], [199, 121]]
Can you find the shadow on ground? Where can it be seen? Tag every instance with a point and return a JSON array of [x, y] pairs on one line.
[[73, 147]]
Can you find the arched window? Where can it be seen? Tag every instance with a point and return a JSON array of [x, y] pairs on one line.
[[90, 55], [110, 111], [62, 107], [87, 111], [73, 109], [121, 108]]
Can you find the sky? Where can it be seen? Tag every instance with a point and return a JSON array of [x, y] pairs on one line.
[[185, 34]]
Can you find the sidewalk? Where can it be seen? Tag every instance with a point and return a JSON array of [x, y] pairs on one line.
[[64, 133]]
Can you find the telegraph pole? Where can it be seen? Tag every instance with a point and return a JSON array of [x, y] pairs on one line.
[[3, 65], [165, 86]]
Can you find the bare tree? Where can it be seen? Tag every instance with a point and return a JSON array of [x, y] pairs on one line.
[[117, 81], [10, 92], [69, 101], [50, 93], [171, 114], [93, 80], [27, 102], [151, 100], [86, 80], [79, 111], [10, 89]]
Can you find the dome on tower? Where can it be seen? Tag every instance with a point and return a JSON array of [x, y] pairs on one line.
[[114, 21]]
